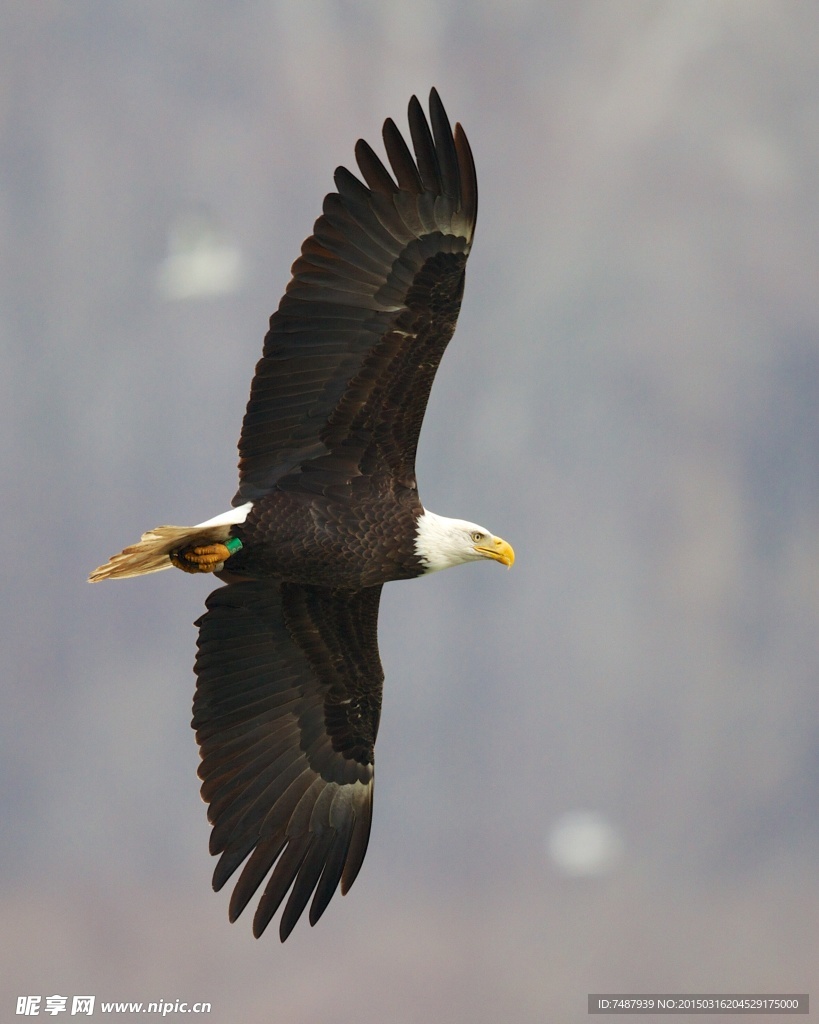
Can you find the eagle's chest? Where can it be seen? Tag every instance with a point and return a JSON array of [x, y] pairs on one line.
[[346, 540]]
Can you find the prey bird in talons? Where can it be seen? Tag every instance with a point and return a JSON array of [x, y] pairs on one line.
[[289, 679]]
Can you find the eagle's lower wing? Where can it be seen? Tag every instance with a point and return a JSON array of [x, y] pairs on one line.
[[286, 713], [353, 348]]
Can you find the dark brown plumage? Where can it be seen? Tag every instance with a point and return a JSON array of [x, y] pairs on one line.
[[286, 713], [352, 350], [289, 677]]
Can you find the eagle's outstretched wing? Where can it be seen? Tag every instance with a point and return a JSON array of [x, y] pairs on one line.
[[286, 713], [353, 348]]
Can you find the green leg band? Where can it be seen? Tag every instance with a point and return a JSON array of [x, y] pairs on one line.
[[233, 544]]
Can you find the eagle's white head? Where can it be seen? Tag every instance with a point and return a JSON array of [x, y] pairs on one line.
[[441, 543]]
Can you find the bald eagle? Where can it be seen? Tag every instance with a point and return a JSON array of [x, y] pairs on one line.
[[289, 679]]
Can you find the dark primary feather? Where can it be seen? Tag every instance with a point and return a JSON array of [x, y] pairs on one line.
[[353, 348], [286, 713]]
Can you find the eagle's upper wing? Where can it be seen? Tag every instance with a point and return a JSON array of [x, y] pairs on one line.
[[353, 348], [286, 712]]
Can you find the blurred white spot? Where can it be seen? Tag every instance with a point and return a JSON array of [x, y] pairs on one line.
[[201, 261], [757, 161], [582, 844]]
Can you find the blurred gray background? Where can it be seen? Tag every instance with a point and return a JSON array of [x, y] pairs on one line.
[[599, 771]]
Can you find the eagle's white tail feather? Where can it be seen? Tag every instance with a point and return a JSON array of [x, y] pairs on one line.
[[152, 553]]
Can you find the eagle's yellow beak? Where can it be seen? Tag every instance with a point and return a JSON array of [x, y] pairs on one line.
[[498, 549]]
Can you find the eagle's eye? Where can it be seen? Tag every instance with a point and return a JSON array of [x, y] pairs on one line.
[[477, 536]]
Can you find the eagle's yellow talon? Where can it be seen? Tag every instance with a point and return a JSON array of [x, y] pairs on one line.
[[204, 558]]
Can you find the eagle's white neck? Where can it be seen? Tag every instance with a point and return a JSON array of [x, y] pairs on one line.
[[441, 542]]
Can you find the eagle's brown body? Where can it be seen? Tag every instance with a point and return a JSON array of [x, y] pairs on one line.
[[345, 540]]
